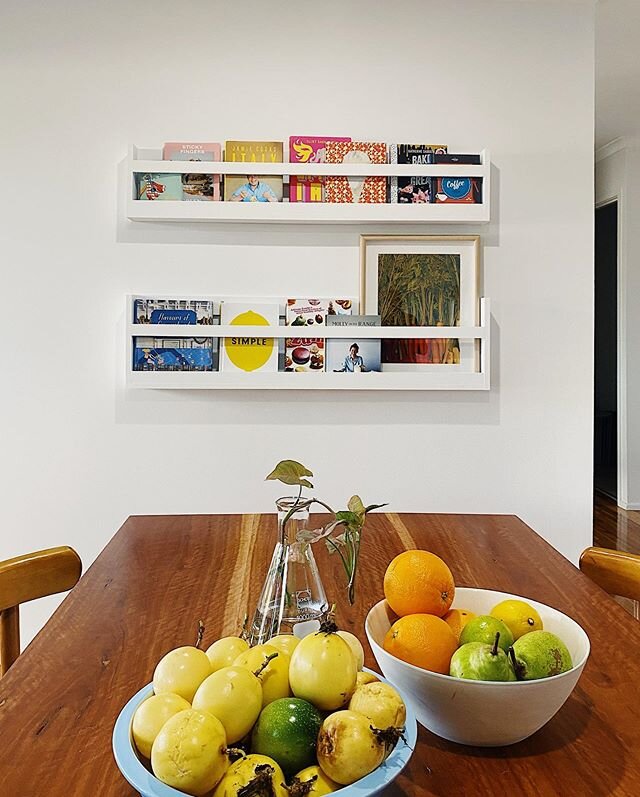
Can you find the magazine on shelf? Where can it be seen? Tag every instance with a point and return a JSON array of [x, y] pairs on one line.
[[418, 189], [151, 310], [308, 149], [253, 187], [196, 187], [353, 355], [249, 353], [157, 186], [356, 188], [172, 354], [304, 353], [459, 190]]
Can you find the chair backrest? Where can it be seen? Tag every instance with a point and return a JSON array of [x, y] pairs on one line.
[[617, 572], [25, 578]]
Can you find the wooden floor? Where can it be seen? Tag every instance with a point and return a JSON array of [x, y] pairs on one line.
[[617, 528], [614, 527]]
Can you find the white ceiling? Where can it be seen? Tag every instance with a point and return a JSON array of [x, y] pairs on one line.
[[617, 70]]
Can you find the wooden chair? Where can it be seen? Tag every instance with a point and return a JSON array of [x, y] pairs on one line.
[[25, 578], [617, 572]]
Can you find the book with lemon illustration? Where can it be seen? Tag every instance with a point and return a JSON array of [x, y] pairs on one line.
[[249, 352]]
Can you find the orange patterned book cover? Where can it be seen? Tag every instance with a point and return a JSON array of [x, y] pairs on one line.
[[356, 189]]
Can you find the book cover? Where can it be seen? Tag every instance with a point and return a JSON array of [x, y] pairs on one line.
[[149, 310], [249, 353], [419, 189], [172, 354], [356, 189], [304, 353], [453, 158], [353, 355], [308, 149], [196, 187], [151, 187], [459, 190], [253, 187]]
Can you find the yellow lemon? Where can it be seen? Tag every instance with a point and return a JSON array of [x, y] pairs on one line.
[[249, 354], [519, 617]]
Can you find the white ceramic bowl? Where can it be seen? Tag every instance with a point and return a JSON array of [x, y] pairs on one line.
[[482, 713]]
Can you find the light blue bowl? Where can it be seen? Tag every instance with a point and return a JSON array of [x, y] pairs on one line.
[[149, 786]]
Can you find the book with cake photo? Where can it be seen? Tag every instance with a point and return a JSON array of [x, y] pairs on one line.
[[303, 353]]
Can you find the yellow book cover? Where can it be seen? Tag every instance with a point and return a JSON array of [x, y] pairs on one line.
[[253, 353], [253, 187]]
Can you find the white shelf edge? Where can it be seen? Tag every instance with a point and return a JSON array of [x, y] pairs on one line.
[[306, 212], [308, 169], [385, 380], [228, 330]]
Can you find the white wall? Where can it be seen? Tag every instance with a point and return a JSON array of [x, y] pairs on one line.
[[618, 177], [83, 80]]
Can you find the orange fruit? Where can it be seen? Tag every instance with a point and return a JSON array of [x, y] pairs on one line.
[[419, 582], [422, 639], [456, 619]]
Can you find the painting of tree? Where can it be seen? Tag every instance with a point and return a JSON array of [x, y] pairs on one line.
[[419, 290]]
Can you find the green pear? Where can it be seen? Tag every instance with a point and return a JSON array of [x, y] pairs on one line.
[[484, 629], [479, 662], [540, 654]]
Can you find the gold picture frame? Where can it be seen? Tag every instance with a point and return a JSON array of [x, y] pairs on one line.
[[422, 280]]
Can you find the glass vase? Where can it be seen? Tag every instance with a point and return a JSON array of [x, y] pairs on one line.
[[292, 599]]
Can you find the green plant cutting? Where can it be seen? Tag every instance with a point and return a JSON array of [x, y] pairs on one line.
[[352, 519]]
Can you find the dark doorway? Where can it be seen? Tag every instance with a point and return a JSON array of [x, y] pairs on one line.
[[605, 456]]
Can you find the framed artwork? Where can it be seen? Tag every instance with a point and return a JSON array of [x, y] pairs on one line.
[[422, 280]]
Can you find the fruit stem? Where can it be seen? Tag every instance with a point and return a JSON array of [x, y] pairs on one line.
[[265, 663], [298, 788], [327, 622], [517, 667], [261, 784], [200, 634], [494, 649], [234, 753]]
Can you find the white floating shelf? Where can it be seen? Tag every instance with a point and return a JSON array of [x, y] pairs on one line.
[[430, 377], [149, 160]]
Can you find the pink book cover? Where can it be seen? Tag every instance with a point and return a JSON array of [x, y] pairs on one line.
[[196, 186], [308, 149], [356, 189]]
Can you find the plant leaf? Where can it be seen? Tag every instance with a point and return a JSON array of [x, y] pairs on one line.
[[349, 518], [288, 471], [318, 534], [371, 507], [335, 543], [355, 505]]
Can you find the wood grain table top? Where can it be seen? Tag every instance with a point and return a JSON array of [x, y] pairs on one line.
[[145, 593]]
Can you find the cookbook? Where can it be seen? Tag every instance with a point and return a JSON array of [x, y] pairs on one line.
[[353, 355], [303, 353], [249, 352], [253, 187]]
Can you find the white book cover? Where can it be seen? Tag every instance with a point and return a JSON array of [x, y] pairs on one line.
[[249, 353]]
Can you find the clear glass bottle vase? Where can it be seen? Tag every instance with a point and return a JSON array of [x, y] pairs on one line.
[[292, 593]]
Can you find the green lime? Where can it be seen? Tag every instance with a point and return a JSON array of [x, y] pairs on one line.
[[287, 731]]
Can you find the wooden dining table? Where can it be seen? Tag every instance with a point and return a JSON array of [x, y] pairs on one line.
[[160, 575]]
